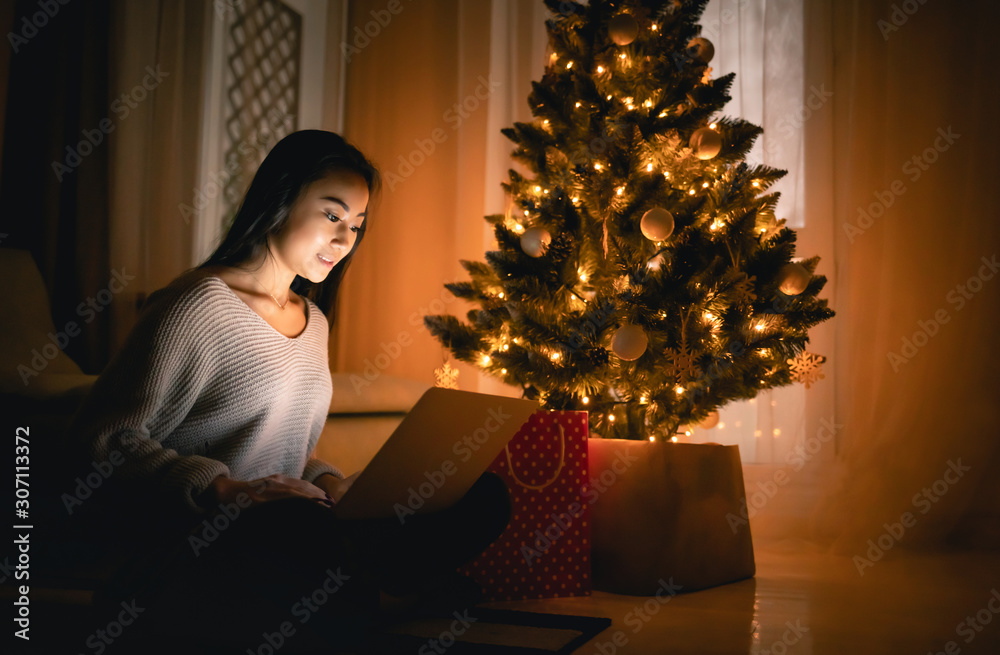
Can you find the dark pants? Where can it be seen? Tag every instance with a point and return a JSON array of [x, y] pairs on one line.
[[289, 571]]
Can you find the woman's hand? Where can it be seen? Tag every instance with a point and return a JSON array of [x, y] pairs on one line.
[[273, 487], [334, 486]]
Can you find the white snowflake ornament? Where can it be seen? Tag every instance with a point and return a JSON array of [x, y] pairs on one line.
[[807, 368], [446, 376], [681, 363]]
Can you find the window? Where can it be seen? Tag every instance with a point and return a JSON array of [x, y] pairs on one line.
[[763, 43], [264, 80]]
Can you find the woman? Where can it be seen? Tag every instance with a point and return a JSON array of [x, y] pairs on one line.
[[209, 412]]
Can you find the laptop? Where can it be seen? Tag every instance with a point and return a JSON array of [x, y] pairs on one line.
[[445, 442]]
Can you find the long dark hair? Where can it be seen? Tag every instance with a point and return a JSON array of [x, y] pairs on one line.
[[296, 161]]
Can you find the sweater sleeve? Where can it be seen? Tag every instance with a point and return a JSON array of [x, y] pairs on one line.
[[144, 393], [317, 467]]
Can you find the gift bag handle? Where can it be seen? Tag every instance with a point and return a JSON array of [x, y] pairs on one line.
[[555, 476]]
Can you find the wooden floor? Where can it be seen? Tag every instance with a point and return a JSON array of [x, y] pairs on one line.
[[801, 601], [804, 601]]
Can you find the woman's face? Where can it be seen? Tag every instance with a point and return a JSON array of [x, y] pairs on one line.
[[323, 225]]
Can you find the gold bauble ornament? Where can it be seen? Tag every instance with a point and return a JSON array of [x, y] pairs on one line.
[[657, 224], [710, 421], [535, 240], [629, 342], [793, 279], [701, 49], [706, 143], [623, 29]]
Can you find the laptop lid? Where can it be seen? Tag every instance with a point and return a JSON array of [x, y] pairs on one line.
[[436, 454]]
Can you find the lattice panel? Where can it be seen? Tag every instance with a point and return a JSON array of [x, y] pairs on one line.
[[263, 65]]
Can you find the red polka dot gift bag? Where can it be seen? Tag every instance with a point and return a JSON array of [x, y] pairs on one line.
[[545, 550]]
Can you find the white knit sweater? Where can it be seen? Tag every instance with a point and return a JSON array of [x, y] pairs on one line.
[[204, 386]]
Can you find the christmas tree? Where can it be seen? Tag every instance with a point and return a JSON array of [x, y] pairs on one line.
[[641, 273]]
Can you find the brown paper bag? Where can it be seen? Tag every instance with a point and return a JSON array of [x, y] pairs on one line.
[[662, 512]]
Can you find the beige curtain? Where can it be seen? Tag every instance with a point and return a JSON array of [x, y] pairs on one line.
[[426, 97], [910, 165], [154, 150]]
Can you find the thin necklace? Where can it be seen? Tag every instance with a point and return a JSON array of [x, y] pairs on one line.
[[280, 306]]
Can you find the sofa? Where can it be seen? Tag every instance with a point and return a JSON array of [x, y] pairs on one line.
[[40, 385]]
